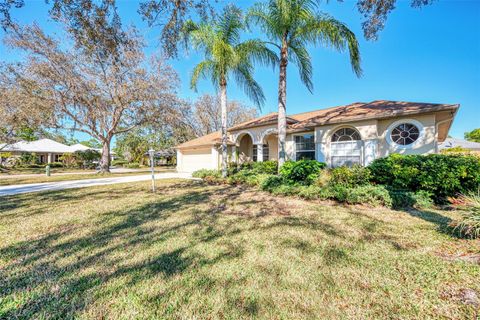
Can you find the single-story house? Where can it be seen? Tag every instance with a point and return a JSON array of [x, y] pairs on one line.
[[356, 133], [464, 144], [46, 150]]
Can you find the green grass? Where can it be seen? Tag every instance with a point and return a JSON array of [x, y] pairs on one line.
[[198, 251], [12, 179]]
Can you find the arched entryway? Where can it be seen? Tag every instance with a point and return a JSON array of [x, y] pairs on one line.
[[270, 146], [346, 147], [244, 147]]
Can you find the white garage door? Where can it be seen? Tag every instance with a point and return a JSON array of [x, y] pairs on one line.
[[193, 160]]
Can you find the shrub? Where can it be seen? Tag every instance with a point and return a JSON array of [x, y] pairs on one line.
[[439, 174], [265, 167], [56, 165], [301, 172], [203, 173], [350, 177], [315, 192], [368, 194], [132, 165], [469, 225], [271, 183], [285, 190], [324, 178], [119, 162], [408, 199]]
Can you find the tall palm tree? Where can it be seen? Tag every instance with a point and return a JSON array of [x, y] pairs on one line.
[[226, 56], [292, 25]]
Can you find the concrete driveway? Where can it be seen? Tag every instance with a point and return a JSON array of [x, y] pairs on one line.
[[60, 185]]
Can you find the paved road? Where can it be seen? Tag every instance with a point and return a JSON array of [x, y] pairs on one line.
[[51, 186]]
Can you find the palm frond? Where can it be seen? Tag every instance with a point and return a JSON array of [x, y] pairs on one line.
[[204, 69], [257, 50], [243, 76], [300, 56]]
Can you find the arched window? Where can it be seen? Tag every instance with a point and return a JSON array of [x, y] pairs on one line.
[[345, 134], [405, 134], [346, 147]]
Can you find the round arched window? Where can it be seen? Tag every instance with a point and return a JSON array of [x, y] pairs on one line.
[[405, 134], [345, 134]]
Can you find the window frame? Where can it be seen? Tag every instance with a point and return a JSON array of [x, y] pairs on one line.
[[413, 145], [306, 150]]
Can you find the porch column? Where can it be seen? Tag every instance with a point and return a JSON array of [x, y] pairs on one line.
[[49, 158], [234, 154], [259, 152]]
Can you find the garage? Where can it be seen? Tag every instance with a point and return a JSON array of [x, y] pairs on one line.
[[195, 159]]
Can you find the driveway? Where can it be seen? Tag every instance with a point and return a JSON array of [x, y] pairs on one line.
[[51, 186]]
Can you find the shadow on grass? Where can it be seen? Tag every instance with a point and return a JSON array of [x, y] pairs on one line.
[[112, 248]]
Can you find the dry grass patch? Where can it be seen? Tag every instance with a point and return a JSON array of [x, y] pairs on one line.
[[198, 251]]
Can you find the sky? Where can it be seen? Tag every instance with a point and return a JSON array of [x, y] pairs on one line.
[[430, 54]]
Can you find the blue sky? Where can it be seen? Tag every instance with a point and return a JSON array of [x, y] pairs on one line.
[[423, 55]]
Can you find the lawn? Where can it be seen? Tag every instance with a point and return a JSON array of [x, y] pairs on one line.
[[13, 179], [198, 251]]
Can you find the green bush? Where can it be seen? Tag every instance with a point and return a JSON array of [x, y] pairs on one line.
[[301, 172], [439, 174], [368, 194], [265, 167], [285, 190], [408, 199], [119, 162], [271, 183], [203, 173], [56, 165], [313, 192], [132, 165], [469, 225], [350, 176]]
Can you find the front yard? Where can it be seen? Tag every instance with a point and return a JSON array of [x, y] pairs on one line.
[[197, 251]]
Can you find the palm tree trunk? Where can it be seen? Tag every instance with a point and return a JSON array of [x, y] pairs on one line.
[[223, 106], [105, 160], [282, 102]]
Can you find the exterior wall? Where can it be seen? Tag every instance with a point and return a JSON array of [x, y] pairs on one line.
[[272, 141], [424, 145]]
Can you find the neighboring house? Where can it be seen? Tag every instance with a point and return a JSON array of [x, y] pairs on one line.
[[46, 150], [356, 133], [455, 143]]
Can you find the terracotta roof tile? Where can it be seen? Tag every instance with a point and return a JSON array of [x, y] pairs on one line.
[[203, 141]]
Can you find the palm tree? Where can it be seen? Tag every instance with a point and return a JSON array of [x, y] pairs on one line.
[[227, 56], [292, 25]]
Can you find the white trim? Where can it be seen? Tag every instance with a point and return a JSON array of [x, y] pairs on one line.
[[266, 133], [242, 133], [413, 145]]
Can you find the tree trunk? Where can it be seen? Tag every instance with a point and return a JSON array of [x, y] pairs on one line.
[[282, 101], [223, 106], [105, 160]]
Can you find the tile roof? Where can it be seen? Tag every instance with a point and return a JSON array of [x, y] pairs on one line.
[[203, 141], [379, 109]]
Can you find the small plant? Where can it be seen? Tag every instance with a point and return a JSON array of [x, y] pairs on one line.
[[203, 173], [271, 183], [301, 172], [368, 194], [265, 167], [119, 162], [469, 225], [133, 165], [408, 199], [350, 177]]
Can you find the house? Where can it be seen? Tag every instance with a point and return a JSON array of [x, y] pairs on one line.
[[46, 150], [356, 133], [450, 143]]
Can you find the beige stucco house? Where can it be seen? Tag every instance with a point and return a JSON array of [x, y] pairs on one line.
[[356, 133]]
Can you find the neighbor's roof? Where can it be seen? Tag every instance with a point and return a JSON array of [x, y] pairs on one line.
[[379, 109], [204, 141], [44, 145], [453, 142]]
